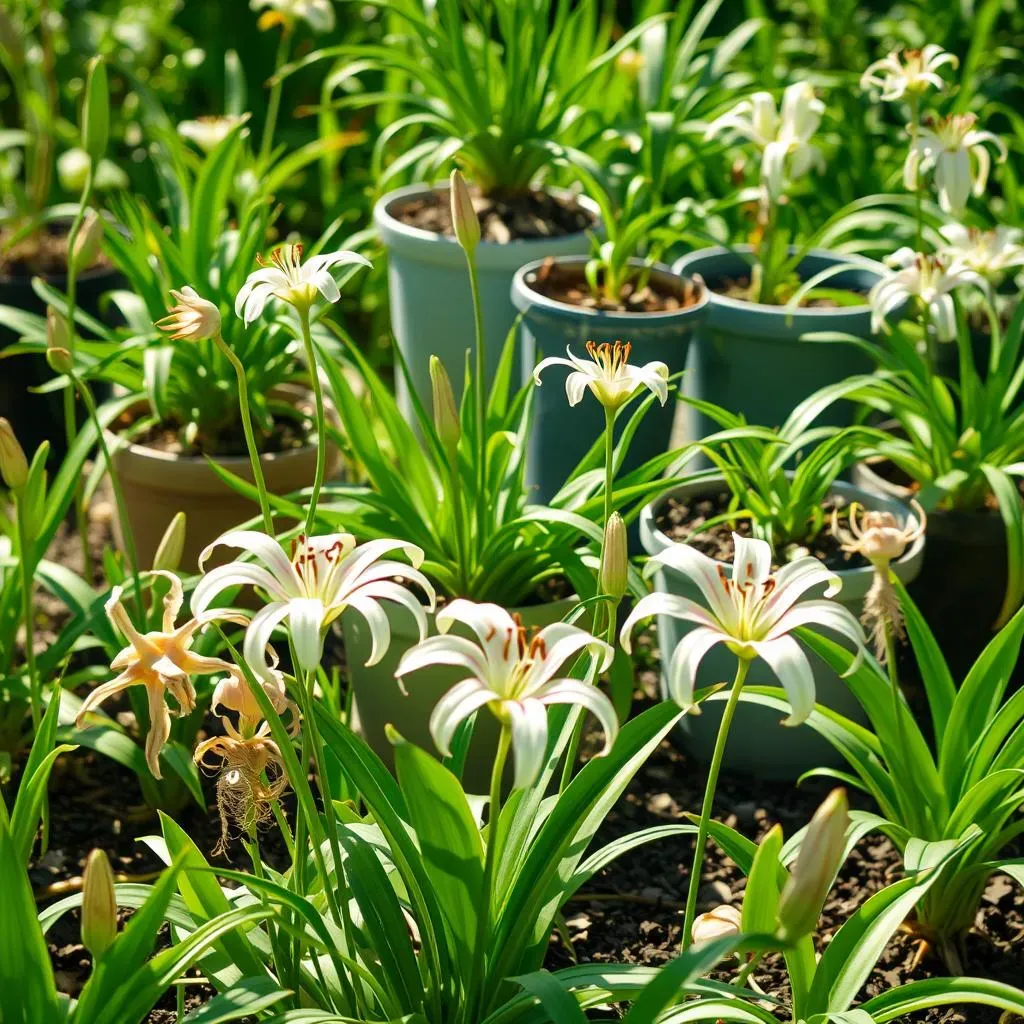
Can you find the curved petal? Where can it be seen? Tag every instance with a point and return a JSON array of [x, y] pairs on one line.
[[377, 621], [573, 691], [550, 361], [752, 562], [385, 590], [529, 721], [366, 554], [785, 658], [654, 377], [828, 615], [704, 571], [494, 627], [681, 677], [305, 624], [792, 581], [173, 600], [257, 636], [232, 575], [131, 677], [266, 549], [576, 385], [664, 604], [445, 650], [159, 727], [558, 643], [341, 257], [461, 701]]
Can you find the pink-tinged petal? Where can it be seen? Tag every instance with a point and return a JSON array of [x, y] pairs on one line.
[[785, 658], [573, 691], [305, 625], [159, 728], [257, 636], [752, 562], [494, 627], [461, 701], [445, 650], [681, 678], [529, 721]]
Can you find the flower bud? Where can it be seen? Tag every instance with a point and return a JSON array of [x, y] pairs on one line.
[[446, 413], [99, 905], [717, 924], [87, 241], [464, 219], [73, 169], [614, 575], [13, 464], [172, 544], [57, 353], [820, 857], [96, 111]]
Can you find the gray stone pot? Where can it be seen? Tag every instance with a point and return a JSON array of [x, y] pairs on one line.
[[758, 743]]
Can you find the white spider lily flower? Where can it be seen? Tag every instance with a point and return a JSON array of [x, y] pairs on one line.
[[209, 131], [955, 149], [752, 613], [783, 136], [926, 278], [311, 588], [989, 253], [318, 14], [192, 319], [907, 71], [162, 661], [516, 677], [287, 278], [611, 378]]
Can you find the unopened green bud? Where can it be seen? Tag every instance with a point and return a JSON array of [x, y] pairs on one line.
[[13, 464], [446, 413], [87, 241], [464, 219], [96, 111], [57, 354], [614, 575], [820, 857], [99, 905], [172, 544]]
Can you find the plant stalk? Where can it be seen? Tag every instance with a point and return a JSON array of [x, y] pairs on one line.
[[27, 573], [321, 425]]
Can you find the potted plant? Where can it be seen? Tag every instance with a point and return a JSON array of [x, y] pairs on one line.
[[616, 304], [768, 296], [503, 88], [750, 492]]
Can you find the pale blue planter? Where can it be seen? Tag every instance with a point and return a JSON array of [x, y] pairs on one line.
[[431, 304], [758, 744], [750, 358], [562, 435]]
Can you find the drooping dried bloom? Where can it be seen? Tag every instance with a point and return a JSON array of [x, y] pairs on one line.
[[881, 539], [192, 319]]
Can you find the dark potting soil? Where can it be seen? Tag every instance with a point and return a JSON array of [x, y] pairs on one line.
[[503, 218], [44, 253], [682, 519], [569, 285], [739, 288]]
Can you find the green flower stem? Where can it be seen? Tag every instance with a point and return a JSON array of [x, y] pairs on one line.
[[709, 800], [274, 102], [746, 971], [482, 944], [321, 425], [27, 573], [609, 462], [479, 388], [461, 540], [915, 116], [250, 439]]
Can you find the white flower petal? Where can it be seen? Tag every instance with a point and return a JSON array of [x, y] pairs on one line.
[[573, 691], [681, 677], [461, 701], [529, 721]]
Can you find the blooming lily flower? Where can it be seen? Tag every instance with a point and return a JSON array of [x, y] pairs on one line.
[[782, 136], [515, 677], [287, 278], [907, 71], [927, 278], [988, 253], [323, 577], [752, 613], [956, 150], [192, 319], [318, 14], [209, 131], [609, 375], [161, 661]]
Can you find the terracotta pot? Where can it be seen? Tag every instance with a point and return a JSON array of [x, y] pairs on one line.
[[157, 485], [962, 581], [758, 744], [379, 701]]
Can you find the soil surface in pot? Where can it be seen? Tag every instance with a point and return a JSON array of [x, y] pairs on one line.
[[288, 434], [503, 218], [569, 285], [44, 253], [820, 298], [682, 520]]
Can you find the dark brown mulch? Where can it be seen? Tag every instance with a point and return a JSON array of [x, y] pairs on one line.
[[682, 520], [569, 285], [44, 253], [503, 218]]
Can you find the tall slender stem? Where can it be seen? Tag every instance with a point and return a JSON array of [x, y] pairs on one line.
[[321, 423], [709, 800], [274, 103], [609, 462], [915, 114], [479, 389], [250, 439], [26, 562]]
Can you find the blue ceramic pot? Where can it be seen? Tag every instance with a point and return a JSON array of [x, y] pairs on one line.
[[752, 358], [431, 305], [758, 744], [562, 435]]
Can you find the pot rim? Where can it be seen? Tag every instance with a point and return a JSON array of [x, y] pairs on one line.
[[390, 227], [684, 265], [524, 296], [655, 540]]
